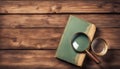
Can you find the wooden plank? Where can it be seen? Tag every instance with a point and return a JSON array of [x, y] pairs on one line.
[[42, 59], [64, 6], [48, 38], [30, 38], [37, 21]]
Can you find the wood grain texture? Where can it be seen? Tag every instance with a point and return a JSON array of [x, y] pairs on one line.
[[35, 59], [48, 38], [30, 31], [30, 38], [37, 21], [64, 6]]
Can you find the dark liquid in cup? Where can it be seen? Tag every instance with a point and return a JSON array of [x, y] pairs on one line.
[[98, 45]]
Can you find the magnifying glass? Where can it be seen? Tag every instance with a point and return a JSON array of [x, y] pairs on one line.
[[82, 43]]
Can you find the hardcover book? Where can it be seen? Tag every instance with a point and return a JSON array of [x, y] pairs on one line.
[[65, 50]]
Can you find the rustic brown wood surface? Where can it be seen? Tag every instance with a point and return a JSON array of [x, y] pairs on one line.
[[37, 59], [56, 20], [30, 31], [34, 38], [64, 6]]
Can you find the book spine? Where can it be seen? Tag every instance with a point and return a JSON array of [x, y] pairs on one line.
[[91, 31]]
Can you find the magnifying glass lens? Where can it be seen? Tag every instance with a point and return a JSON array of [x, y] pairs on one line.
[[80, 42]]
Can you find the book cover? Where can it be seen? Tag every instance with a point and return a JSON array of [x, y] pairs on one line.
[[65, 50]]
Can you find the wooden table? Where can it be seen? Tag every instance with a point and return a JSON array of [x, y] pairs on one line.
[[30, 31]]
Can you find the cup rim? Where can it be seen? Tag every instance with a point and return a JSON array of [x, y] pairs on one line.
[[104, 51]]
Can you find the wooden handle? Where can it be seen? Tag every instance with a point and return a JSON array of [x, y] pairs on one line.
[[93, 57]]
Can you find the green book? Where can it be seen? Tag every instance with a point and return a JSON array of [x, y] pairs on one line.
[[65, 50]]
